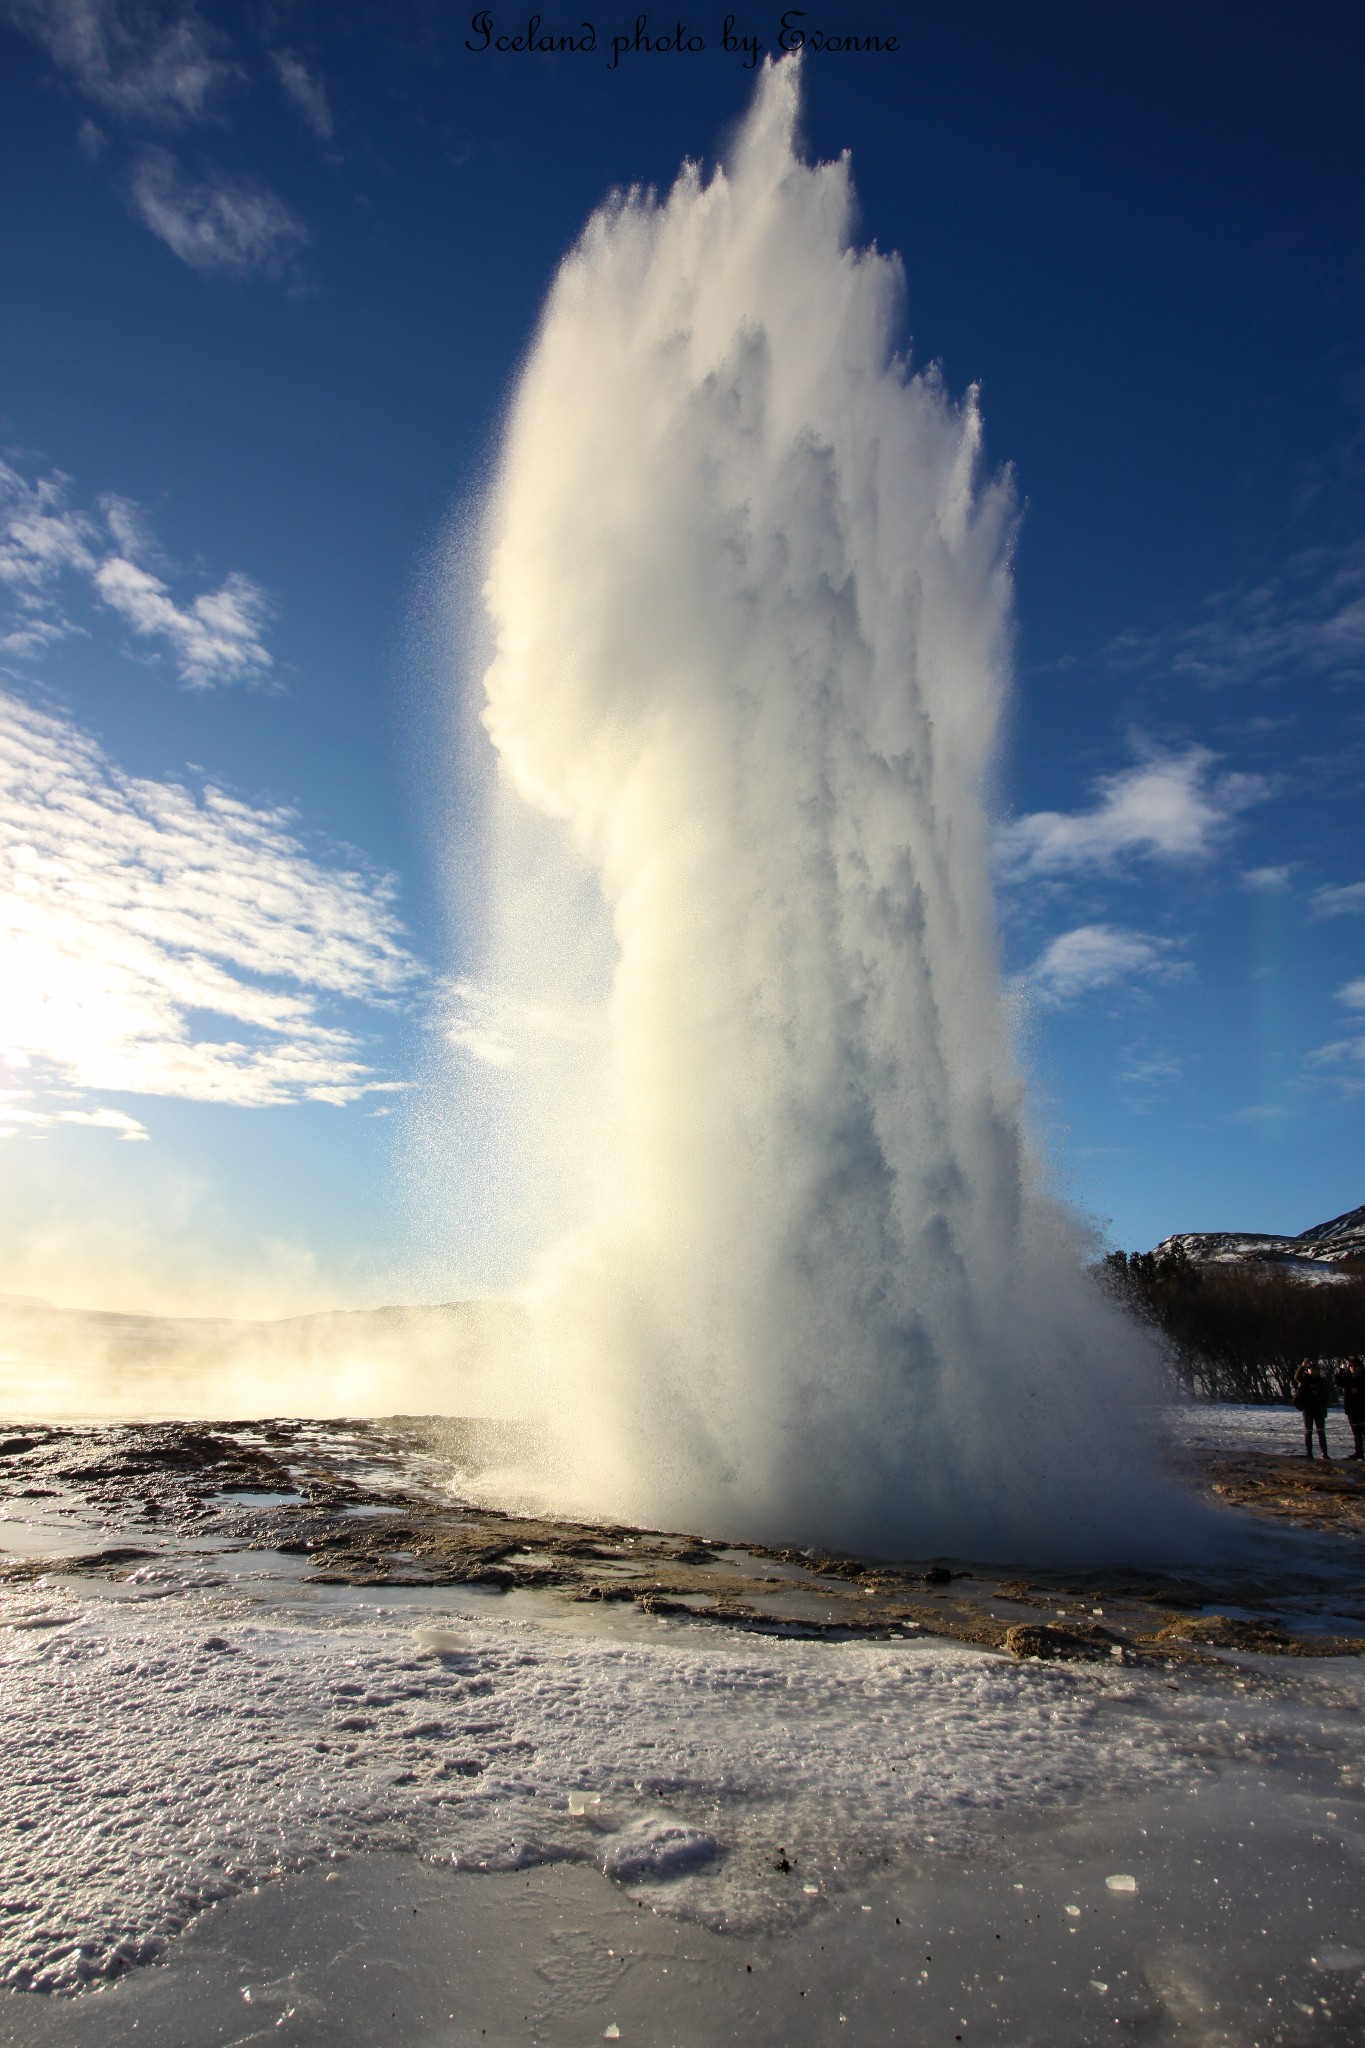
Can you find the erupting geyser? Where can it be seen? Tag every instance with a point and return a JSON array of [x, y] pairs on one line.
[[750, 606]]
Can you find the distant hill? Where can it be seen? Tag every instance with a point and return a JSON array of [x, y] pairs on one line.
[[1318, 1253]]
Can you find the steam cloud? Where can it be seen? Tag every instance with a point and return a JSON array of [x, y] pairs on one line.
[[750, 605]]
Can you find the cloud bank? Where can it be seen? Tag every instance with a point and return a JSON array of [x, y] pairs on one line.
[[164, 943]]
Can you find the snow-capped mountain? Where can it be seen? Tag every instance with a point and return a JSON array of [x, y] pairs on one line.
[[1316, 1251]]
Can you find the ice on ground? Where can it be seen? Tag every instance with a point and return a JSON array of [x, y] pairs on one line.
[[209, 1722], [161, 1756], [658, 1846]]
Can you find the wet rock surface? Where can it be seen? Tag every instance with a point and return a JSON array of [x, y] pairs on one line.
[[388, 1504], [1313, 1493]]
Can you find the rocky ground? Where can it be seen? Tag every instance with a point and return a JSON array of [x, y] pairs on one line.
[[373, 1504]]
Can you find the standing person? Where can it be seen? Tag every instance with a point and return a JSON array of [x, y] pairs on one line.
[[1311, 1394], [1351, 1387]]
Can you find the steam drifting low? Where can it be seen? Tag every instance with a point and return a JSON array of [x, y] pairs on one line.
[[749, 600]]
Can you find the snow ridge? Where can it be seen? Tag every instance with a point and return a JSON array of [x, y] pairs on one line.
[[1322, 1245]]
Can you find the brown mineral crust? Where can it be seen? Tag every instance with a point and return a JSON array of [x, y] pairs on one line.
[[1083, 1641], [1266, 1638], [110, 1562], [1316, 1493], [186, 1462]]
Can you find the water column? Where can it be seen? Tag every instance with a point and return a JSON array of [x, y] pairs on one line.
[[749, 602]]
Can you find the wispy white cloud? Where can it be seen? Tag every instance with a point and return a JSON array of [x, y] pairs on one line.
[[1170, 807], [1348, 901], [39, 535], [308, 93], [135, 58], [147, 62], [1147, 1069], [104, 1119], [1097, 956], [218, 227], [1268, 881], [132, 532], [1342, 1062], [163, 943], [19, 1118], [215, 637], [1308, 619], [1147, 1073]]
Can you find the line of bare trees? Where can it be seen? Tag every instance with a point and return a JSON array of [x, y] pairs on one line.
[[1237, 1332]]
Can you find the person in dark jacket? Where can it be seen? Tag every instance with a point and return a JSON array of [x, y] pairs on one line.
[[1351, 1387], [1311, 1394]]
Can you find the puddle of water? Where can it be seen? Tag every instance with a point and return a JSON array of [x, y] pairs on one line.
[[613, 1620], [1300, 1617], [795, 1604], [254, 1498], [208, 1567], [34, 1537], [260, 1564], [1329, 1624], [777, 1570], [84, 1589]]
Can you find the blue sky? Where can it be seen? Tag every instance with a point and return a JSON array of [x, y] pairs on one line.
[[269, 270]]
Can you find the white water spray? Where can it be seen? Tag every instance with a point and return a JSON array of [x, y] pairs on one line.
[[751, 608]]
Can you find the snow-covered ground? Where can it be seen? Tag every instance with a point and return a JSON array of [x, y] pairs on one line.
[[1239, 1426], [165, 1752], [327, 1814], [219, 1734]]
